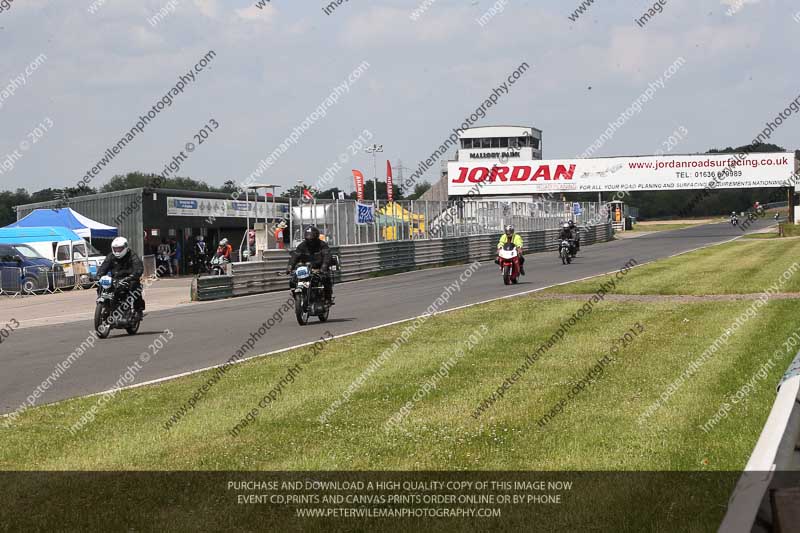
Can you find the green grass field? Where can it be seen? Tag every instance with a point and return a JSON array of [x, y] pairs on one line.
[[770, 235], [791, 230], [600, 429], [739, 267], [599, 425]]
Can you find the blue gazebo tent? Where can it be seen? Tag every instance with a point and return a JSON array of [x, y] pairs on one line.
[[66, 217], [9, 235]]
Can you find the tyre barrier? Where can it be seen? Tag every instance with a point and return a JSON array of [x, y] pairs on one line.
[[359, 261]]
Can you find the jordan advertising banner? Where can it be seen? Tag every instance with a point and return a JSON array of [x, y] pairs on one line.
[[642, 173]]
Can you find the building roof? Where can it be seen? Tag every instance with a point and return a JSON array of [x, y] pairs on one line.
[[497, 131], [143, 190]]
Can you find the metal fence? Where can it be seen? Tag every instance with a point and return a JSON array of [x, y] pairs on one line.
[[413, 220], [15, 281], [366, 260]]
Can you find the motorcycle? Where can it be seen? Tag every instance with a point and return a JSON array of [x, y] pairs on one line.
[[308, 291], [163, 264], [564, 251], [200, 265], [218, 265], [114, 309], [508, 259], [734, 221]]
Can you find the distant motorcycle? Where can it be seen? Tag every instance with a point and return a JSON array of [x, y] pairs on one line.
[[200, 265], [163, 262], [114, 309], [573, 250], [564, 251], [734, 220], [308, 291], [508, 259], [218, 265]]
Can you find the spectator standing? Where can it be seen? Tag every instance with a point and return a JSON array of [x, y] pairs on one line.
[[175, 256]]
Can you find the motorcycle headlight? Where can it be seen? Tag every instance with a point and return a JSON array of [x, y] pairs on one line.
[[106, 282], [302, 272]]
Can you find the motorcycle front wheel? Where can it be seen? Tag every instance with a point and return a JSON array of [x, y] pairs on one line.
[[507, 275], [299, 310], [133, 329], [101, 325], [563, 258]]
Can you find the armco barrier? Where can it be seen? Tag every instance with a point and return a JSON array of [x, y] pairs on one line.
[[361, 261], [212, 288], [762, 501]]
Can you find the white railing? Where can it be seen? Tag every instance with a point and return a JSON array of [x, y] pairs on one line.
[[776, 451]]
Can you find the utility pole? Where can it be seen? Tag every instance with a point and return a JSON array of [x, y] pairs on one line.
[[374, 149]]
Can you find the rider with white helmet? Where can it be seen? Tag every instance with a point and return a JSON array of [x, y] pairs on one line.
[[124, 264]]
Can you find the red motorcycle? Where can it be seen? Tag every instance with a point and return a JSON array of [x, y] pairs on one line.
[[508, 259]]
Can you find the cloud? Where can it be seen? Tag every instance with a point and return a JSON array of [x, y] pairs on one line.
[[252, 13], [207, 7], [390, 27], [735, 5]]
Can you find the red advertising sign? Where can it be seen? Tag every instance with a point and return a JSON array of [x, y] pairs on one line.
[[389, 186], [358, 177]]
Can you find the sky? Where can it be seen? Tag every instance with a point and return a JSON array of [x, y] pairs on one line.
[[426, 65]]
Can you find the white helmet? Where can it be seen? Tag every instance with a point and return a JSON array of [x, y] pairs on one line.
[[223, 242], [119, 247]]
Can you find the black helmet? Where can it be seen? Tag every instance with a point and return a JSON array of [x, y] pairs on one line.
[[571, 223], [311, 233], [509, 229]]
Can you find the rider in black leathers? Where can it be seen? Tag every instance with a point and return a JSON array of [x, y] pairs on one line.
[[125, 266], [576, 235], [316, 252], [565, 233]]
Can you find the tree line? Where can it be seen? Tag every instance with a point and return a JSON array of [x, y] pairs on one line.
[[133, 180], [651, 204]]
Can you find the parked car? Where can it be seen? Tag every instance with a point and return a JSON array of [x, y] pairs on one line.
[[35, 271]]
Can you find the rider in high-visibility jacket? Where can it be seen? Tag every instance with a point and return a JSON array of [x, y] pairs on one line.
[[516, 240]]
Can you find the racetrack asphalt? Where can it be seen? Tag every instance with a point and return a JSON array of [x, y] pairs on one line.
[[209, 333]]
